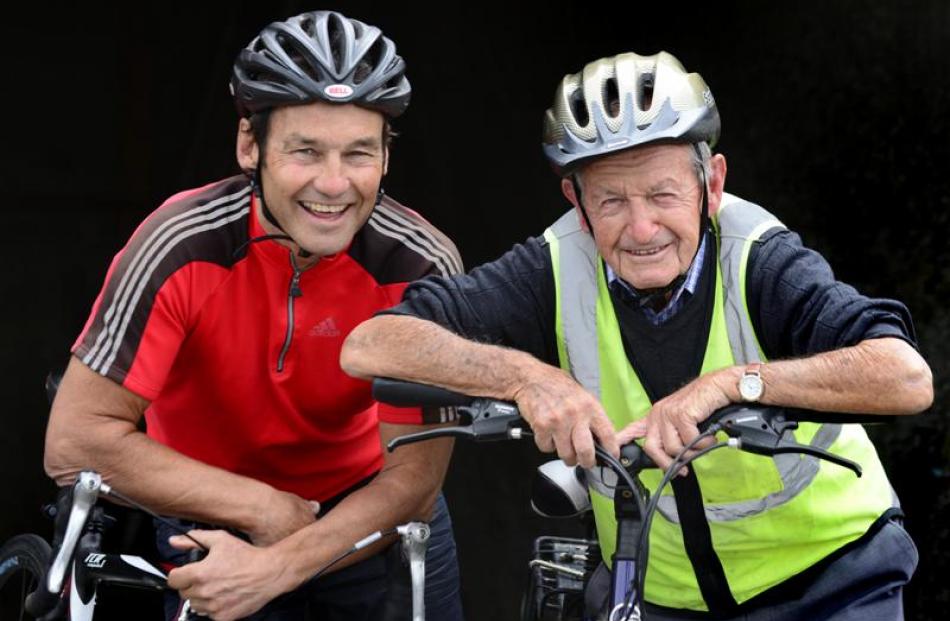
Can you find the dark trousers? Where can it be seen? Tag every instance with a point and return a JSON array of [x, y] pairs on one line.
[[864, 584]]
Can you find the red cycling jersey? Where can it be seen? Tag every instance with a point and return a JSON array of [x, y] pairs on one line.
[[238, 352]]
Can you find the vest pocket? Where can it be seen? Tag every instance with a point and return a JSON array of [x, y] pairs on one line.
[[729, 476]]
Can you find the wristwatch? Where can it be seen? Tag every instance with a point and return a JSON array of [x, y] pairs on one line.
[[750, 384]]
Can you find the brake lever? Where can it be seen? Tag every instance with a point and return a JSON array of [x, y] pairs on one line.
[[762, 434], [491, 421], [792, 447], [429, 434]]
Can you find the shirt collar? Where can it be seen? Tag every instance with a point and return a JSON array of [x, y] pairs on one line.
[[689, 283]]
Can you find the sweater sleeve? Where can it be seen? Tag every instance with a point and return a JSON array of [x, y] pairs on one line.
[[508, 302], [799, 308]]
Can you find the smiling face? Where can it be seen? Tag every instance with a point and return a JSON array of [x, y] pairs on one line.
[[644, 208], [321, 172]]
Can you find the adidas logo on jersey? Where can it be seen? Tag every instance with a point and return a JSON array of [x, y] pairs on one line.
[[327, 327]]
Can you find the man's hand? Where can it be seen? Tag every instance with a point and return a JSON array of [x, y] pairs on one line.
[[672, 422], [235, 580], [283, 514], [563, 416], [636, 429]]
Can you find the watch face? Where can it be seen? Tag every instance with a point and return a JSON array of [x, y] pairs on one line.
[[750, 387]]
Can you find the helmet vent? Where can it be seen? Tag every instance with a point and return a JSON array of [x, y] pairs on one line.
[[291, 47], [611, 97], [646, 91], [337, 41], [301, 61], [579, 107], [372, 59]]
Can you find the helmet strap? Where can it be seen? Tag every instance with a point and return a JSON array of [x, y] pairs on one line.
[[580, 202], [381, 193], [704, 205], [257, 187]]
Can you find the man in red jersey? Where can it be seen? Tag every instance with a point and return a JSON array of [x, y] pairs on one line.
[[221, 322]]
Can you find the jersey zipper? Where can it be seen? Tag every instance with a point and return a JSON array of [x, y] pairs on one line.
[[293, 293]]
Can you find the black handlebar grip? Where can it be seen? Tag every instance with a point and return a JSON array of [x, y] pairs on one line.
[[410, 394]]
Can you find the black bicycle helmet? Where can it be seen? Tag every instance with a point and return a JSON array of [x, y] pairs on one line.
[[320, 56], [624, 101]]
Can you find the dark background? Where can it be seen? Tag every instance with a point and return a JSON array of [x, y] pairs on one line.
[[835, 117]]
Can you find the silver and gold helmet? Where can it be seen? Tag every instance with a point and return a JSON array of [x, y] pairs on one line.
[[625, 101]]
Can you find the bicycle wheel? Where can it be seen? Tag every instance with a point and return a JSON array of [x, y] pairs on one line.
[[23, 563]]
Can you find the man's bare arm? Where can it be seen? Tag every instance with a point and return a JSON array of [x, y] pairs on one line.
[[93, 425], [876, 376], [564, 417], [237, 579]]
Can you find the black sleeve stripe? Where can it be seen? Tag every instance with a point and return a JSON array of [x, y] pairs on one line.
[[391, 223], [435, 237], [399, 221], [147, 258], [384, 227]]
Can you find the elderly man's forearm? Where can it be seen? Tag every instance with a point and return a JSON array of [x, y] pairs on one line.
[[419, 350], [878, 376]]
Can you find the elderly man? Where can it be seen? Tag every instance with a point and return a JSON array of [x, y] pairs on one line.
[[662, 298], [222, 321]]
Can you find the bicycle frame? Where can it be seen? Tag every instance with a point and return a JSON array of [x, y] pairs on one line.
[[628, 508]]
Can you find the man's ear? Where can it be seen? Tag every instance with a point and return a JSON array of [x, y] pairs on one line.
[[569, 191], [247, 151], [717, 182]]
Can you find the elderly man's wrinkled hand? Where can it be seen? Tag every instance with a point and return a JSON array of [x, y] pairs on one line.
[[564, 417], [673, 421]]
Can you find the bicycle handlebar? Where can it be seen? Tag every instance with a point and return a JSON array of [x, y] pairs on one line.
[[411, 394], [753, 428]]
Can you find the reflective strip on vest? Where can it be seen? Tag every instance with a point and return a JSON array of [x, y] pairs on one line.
[[738, 228], [577, 263]]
